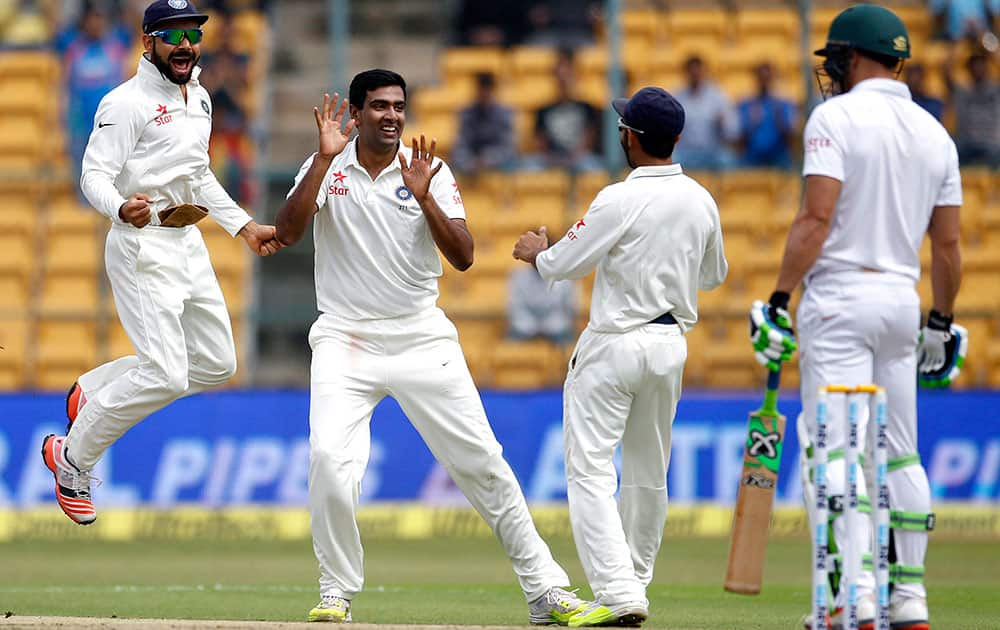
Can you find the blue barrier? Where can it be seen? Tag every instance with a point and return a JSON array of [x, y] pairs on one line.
[[240, 447]]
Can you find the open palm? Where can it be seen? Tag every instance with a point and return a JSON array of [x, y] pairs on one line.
[[332, 139], [418, 174]]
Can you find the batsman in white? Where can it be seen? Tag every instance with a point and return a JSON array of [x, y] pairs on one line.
[[149, 152], [382, 211], [880, 172], [655, 240]]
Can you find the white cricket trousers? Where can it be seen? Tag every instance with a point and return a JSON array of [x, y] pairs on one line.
[[415, 359], [172, 310], [855, 328], [621, 388]]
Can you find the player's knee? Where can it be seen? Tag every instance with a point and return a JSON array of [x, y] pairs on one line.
[[173, 383]]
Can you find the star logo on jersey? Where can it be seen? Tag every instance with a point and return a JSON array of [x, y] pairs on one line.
[[339, 177], [456, 197], [337, 188], [580, 224], [162, 117], [573, 233]]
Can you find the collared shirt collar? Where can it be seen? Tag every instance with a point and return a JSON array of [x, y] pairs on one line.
[[149, 72], [352, 156], [889, 86], [659, 170]]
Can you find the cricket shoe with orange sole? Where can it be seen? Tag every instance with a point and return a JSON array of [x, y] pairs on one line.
[[837, 620], [75, 400], [72, 485], [909, 614]]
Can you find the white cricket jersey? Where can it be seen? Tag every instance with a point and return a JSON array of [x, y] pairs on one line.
[[375, 257], [655, 239], [896, 163], [147, 139]]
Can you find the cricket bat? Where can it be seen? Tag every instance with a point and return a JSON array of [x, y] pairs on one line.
[[755, 498]]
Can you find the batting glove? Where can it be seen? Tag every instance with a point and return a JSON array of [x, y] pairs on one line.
[[941, 352], [771, 331]]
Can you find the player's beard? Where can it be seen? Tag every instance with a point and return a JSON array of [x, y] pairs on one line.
[[163, 64], [625, 144]]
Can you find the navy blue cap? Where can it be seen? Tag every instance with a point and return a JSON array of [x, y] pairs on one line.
[[163, 10], [653, 111]]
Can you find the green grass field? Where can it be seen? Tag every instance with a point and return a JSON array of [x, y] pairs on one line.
[[450, 581]]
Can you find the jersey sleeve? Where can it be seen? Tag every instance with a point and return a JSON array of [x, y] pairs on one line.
[[445, 191], [714, 266], [324, 188], [824, 148], [951, 188], [118, 126], [586, 243]]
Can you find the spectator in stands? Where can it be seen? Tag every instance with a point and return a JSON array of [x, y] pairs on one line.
[[915, 75], [977, 113], [959, 19], [485, 132], [94, 55], [709, 123], [562, 23], [568, 129], [479, 23], [767, 123], [535, 310], [230, 148]]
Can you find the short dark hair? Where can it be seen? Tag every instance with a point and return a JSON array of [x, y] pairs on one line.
[[485, 80], [656, 146], [888, 61], [365, 82]]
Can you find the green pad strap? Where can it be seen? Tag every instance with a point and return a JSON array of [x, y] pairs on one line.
[[903, 574], [911, 521], [902, 462]]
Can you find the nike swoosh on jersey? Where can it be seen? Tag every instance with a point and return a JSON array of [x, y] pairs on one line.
[[103, 125]]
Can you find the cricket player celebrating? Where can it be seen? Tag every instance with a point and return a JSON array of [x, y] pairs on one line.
[[655, 239], [382, 211], [145, 168], [880, 172]]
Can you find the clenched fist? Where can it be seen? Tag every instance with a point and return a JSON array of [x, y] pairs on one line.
[[135, 210]]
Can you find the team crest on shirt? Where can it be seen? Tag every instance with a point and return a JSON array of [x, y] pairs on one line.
[[403, 193], [204, 106]]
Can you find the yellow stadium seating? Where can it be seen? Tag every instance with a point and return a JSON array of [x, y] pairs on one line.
[[20, 211], [710, 27], [532, 61], [230, 256], [440, 126], [40, 64], [771, 27], [14, 294], [528, 92], [66, 293], [66, 349], [14, 339], [526, 365], [73, 252], [471, 60]]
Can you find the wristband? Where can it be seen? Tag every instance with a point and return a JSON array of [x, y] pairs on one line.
[[937, 321], [779, 299]]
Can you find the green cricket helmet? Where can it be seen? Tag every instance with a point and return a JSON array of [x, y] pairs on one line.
[[868, 27], [864, 27]]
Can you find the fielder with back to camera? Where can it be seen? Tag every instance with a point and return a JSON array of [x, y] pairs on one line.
[[880, 172], [382, 212], [655, 239], [145, 167]]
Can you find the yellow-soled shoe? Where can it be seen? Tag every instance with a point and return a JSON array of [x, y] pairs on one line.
[[555, 607], [599, 615], [329, 608]]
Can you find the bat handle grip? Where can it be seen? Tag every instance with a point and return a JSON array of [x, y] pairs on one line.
[[773, 379], [771, 395]]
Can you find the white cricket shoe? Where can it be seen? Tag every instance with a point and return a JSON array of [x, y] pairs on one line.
[[555, 607], [867, 611], [909, 614], [331, 608]]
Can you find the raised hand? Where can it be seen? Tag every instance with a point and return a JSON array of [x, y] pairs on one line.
[[417, 176], [135, 210], [332, 139]]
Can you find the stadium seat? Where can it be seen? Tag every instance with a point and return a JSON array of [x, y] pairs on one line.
[[33, 64], [67, 293], [20, 209], [73, 252], [441, 126], [709, 27], [523, 365], [532, 61], [493, 255], [230, 256], [529, 92], [772, 27], [15, 294], [66, 348], [67, 214], [14, 339], [470, 60]]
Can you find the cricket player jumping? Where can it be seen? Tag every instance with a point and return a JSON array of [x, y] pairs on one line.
[[880, 172]]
